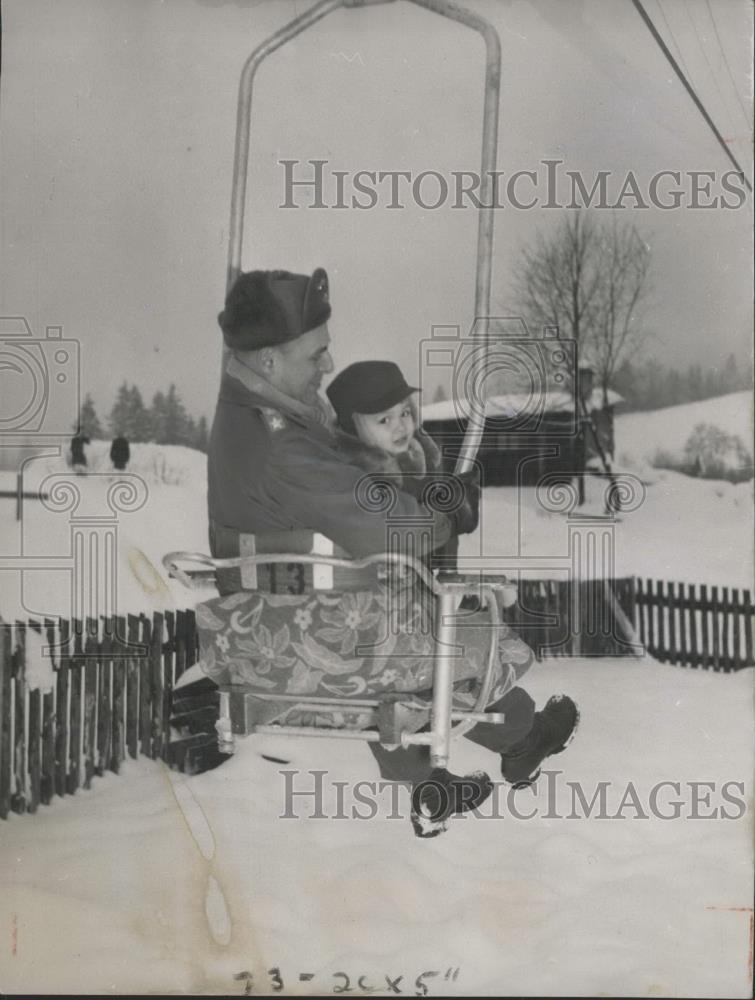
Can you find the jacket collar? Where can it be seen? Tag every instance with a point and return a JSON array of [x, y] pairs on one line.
[[265, 394]]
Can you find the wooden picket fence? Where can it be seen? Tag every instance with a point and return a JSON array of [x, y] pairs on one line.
[[565, 618], [696, 626], [684, 624], [111, 700]]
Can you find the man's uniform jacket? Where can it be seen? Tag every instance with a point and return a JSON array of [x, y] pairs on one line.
[[275, 472]]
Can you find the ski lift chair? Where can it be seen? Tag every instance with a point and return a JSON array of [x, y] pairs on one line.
[[393, 719]]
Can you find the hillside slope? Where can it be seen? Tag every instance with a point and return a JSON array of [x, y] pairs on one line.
[[640, 435]]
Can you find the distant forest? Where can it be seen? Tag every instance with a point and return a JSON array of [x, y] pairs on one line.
[[646, 386], [651, 385], [164, 421]]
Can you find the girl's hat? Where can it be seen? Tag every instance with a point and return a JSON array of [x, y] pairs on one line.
[[367, 387]]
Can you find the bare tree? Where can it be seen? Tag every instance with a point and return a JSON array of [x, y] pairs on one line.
[[618, 331], [589, 278]]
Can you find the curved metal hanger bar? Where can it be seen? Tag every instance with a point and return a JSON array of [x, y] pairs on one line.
[[444, 8]]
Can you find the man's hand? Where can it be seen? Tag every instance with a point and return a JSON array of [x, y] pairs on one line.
[[465, 516]]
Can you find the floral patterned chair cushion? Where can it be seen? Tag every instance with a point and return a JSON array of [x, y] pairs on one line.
[[352, 644]]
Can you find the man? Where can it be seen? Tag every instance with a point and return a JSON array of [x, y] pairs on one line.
[[120, 452], [275, 475], [78, 455]]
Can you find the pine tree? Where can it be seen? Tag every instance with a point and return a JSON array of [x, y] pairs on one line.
[[158, 418], [731, 375], [201, 437], [129, 417], [169, 421], [89, 423], [119, 413], [177, 425], [139, 423], [190, 432], [695, 383]]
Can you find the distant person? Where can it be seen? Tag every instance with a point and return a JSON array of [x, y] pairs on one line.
[[78, 455], [120, 453]]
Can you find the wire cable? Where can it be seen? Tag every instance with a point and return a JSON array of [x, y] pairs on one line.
[[728, 67], [713, 74], [697, 102], [673, 38]]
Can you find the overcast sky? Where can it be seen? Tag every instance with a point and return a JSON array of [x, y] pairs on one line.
[[117, 123]]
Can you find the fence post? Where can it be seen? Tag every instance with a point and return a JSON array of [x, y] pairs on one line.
[[749, 625], [19, 797], [694, 645], [75, 732], [192, 640], [104, 697], [706, 660], [650, 643], [62, 711], [671, 605], [726, 619], [684, 611], [145, 690], [89, 669], [181, 632], [132, 689], [119, 684], [168, 673], [156, 673], [5, 719], [716, 632], [47, 784], [633, 609], [661, 604], [35, 748], [641, 611]]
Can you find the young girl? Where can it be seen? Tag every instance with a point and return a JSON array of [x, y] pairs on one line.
[[380, 431], [378, 420]]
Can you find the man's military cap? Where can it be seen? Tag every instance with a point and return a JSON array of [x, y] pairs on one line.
[[267, 308]]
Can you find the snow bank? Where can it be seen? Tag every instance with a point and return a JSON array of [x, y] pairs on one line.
[[640, 435], [153, 882], [158, 505], [685, 529]]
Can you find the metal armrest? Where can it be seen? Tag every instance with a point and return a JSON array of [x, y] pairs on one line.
[[459, 584], [187, 576]]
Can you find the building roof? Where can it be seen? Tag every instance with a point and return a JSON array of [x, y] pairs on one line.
[[511, 404]]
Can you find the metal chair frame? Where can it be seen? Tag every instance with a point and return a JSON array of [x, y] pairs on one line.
[[397, 719], [488, 158], [396, 716]]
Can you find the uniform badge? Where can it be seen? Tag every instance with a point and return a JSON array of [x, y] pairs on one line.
[[274, 420]]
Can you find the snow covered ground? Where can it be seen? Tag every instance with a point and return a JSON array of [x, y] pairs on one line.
[[159, 506], [640, 435], [683, 529], [155, 882]]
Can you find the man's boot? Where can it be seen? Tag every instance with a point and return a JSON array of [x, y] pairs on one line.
[[442, 795], [552, 731]]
